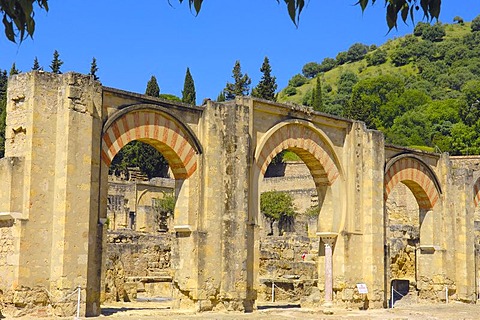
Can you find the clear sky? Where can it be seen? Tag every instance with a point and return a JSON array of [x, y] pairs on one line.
[[133, 40]]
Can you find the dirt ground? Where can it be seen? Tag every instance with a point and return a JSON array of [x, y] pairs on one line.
[[152, 310]]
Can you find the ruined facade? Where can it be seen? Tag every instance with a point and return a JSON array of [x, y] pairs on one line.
[[64, 130]]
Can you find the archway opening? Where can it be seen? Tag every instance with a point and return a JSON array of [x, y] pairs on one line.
[[140, 207], [403, 233], [153, 276], [411, 192], [294, 186]]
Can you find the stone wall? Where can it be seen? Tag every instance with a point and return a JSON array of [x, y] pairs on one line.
[[137, 264], [290, 262]]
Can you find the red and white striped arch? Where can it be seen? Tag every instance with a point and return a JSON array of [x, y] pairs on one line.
[[308, 144], [159, 131], [417, 177], [476, 192]]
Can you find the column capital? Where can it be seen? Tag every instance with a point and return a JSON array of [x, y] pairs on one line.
[[328, 237]]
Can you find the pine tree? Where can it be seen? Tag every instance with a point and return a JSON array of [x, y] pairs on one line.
[[94, 69], [241, 86], [267, 85], [56, 63], [221, 96], [14, 70], [36, 65], [188, 93], [317, 100], [153, 89]]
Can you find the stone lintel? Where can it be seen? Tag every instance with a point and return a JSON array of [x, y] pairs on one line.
[[4, 216], [184, 228], [429, 248]]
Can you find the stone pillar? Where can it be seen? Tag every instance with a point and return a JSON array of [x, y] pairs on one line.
[[328, 239], [54, 126]]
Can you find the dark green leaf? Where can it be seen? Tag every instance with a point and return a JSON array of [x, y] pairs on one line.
[[8, 29], [424, 5], [434, 8], [363, 4], [405, 13], [391, 17], [198, 5], [291, 10]]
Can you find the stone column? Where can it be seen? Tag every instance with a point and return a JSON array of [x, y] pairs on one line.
[[328, 240]]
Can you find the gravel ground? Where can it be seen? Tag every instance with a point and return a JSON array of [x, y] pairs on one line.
[[149, 310]]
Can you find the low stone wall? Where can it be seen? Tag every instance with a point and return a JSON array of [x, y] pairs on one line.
[[137, 263], [290, 262]]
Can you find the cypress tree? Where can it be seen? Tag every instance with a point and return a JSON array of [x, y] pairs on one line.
[[267, 85], [36, 65], [94, 69], [14, 70], [221, 96], [153, 89], [56, 63], [188, 93], [317, 100], [241, 86]]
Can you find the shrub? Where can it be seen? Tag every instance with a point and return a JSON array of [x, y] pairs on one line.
[[376, 58], [434, 33], [290, 91], [356, 52], [341, 58], [311, 69], [476, 24], [297, 80], [327, 64]]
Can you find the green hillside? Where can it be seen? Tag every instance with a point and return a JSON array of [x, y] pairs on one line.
[[421, 90]]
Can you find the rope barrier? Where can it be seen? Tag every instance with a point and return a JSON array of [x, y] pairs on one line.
[[397, 292], [281, 289], [77, 290]]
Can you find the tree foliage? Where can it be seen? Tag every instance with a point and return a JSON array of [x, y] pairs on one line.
[[241, 84], [18, 17], [94, 69], [36, 65], [141, 155], [268, 84], [394, 8], [276, 206], [317, 100], [434, 33], [420, 92], [377, 57], [476, 24], [297, 80], [356, 52], [19, 23], [13, 70], [153, 89], [56, 63], [163, 209], [311, 69], [188, 93]]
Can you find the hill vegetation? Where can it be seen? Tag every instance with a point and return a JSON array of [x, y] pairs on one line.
[[421, 90]]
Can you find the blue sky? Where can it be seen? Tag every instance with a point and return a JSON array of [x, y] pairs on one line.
[[133, 40]]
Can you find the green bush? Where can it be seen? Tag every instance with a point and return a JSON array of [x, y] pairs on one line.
[[290, 91], [476, 24], [376, 58], [297, 80]]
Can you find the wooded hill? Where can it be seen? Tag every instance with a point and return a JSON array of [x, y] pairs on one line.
[[421, 90]]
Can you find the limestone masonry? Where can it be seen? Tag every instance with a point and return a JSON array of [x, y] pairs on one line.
[[388, 216]]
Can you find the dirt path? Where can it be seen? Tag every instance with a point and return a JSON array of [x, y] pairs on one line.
[[150, 311]]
